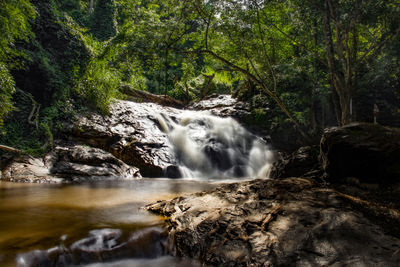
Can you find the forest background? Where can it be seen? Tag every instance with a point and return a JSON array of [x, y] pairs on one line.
[[300, 65]]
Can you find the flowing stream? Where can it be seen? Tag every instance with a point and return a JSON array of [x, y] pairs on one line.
[[43, 216], [102, 223], [208, 146]]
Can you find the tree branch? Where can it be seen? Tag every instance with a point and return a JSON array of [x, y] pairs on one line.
[[266, 56], [205, 90], [323, 62], [374, 48]]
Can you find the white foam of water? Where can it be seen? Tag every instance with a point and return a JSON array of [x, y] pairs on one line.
[[232, 144], [260, 160], [192, 156]]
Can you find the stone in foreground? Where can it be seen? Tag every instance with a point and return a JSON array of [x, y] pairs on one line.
[[290, 222]]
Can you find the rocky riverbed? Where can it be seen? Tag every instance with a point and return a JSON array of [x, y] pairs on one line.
[[288, 222]]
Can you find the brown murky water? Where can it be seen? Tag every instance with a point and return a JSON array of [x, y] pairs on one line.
[[37, 216]]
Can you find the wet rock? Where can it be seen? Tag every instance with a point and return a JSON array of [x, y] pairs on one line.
[[223, 106], [100, 246], [288, 222], [369, 152], [218, 155], [284, 136], [105, 245], [173, 171], [131, 132], [302, 163], [160, 261], [152, 137], [28, 169], [44, 258], [82, 163], [71, 163]]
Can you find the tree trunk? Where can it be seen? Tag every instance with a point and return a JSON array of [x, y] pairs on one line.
[[91, 6], [205, 90], [340, 71], [166, 72], [138, 95], [336, 106], [10, 149], [314, 79], [344, 99]]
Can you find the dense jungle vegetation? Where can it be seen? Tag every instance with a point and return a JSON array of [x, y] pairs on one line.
[[301, 65]]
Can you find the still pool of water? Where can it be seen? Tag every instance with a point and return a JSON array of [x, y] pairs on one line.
[[42, 216]]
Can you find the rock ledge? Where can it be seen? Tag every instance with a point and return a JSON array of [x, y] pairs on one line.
[[290, 222]]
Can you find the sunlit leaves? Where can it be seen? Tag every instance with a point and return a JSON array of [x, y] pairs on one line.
[[14, 26], [6, 89], [99, 85]]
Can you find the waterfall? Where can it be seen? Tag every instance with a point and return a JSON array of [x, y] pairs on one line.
[[214, 147]]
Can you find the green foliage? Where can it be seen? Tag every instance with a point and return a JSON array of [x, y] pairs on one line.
[[103, 24], [77, 10], [99, 85], [56, 55], [14, 26], [6, 89], [17, 132], [51, 59], [259, 115], [272, 54], [35, 139]]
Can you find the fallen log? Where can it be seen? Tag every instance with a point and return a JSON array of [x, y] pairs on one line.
[[10, 149], [142, 96]]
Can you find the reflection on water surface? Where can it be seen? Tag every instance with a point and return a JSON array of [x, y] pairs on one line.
[[36, 216]]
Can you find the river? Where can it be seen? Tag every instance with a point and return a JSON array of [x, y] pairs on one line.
[[43, 216]]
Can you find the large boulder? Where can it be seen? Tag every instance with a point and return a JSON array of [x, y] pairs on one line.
[[369, 152], [69, 163], [288, 222], [87, 163], [27, 169], [131, 132]]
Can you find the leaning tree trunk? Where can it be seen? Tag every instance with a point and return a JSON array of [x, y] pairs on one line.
[[10, 149], [204, 92]]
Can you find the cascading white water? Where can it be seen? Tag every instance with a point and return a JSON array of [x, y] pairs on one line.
[[210, 146]]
